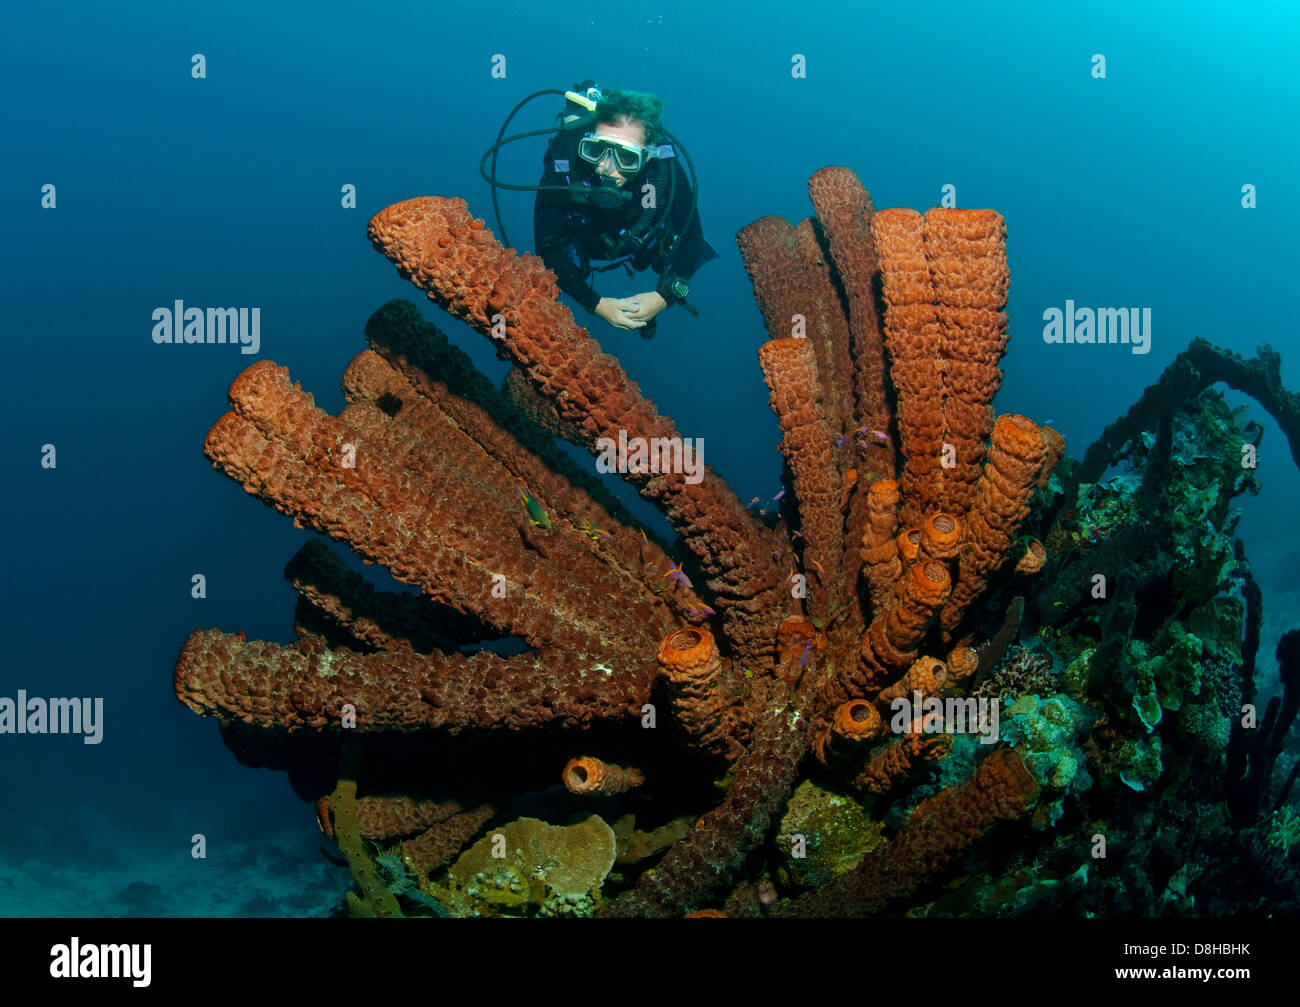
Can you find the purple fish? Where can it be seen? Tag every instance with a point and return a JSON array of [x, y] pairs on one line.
[[807, 649], [675, 573]]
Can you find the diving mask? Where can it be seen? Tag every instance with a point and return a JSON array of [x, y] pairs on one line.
[[628, 157]]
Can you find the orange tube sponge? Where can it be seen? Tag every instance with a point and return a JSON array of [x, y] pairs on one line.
[[941, 536], [285, 449], [879, 549], [775, 267], [444, 251], [1001, 504], [797, 639], [962, 663], [920, 592], [387, 816], [1034, 559], [828, 329], [891, 639], [857, 720], [853, 724], [914, 336], [790, 371], [689, 659], [793, 632], [1055, 449], [891, 765], [945, 281], [967, 256], [909, 544], [305, 685], [880, 661], [845, 212], [928, 675], [437, 845], [587, 775], [846, 486], [439, 422]]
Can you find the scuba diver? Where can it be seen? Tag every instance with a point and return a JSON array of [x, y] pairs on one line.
[[613, 192]]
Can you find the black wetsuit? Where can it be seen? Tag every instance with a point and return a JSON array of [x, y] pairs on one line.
[[567, 233]]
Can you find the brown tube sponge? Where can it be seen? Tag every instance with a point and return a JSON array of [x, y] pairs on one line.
[[689, 659], [853, 724], [928, 675], [909, 544], [894, 634], [967, 255], [587, 775], [1034, 559], [891, 765], [941, 536], [962, 663], [1002, 498], [879, 548], [1055, 449], [913, 336]]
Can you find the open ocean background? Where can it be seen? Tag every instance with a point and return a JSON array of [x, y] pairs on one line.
[[226, 191]]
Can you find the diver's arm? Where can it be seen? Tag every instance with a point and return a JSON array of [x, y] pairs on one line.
[[687, 258], [568, 276], [554, 246]]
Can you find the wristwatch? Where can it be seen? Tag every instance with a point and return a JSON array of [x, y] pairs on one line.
[[674, 289]]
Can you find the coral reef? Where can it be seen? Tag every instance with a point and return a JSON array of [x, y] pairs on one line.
[[530, 865], [555, 641]]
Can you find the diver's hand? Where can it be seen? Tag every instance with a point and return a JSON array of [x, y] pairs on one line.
[[644, 307], [616, 312]]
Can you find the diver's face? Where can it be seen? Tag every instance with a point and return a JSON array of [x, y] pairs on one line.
[[629, 133]]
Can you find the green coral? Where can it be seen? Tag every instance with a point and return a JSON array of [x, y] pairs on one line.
[[1139, 762], [1078, 673], [1047, 733], [836, 833], [1219, 624], [1146, 704], [1181, 679], [1283, 831], [1206, 725], [1178, 669], [529, 866]]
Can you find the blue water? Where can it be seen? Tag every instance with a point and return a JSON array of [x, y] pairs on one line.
[[226, 190]]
